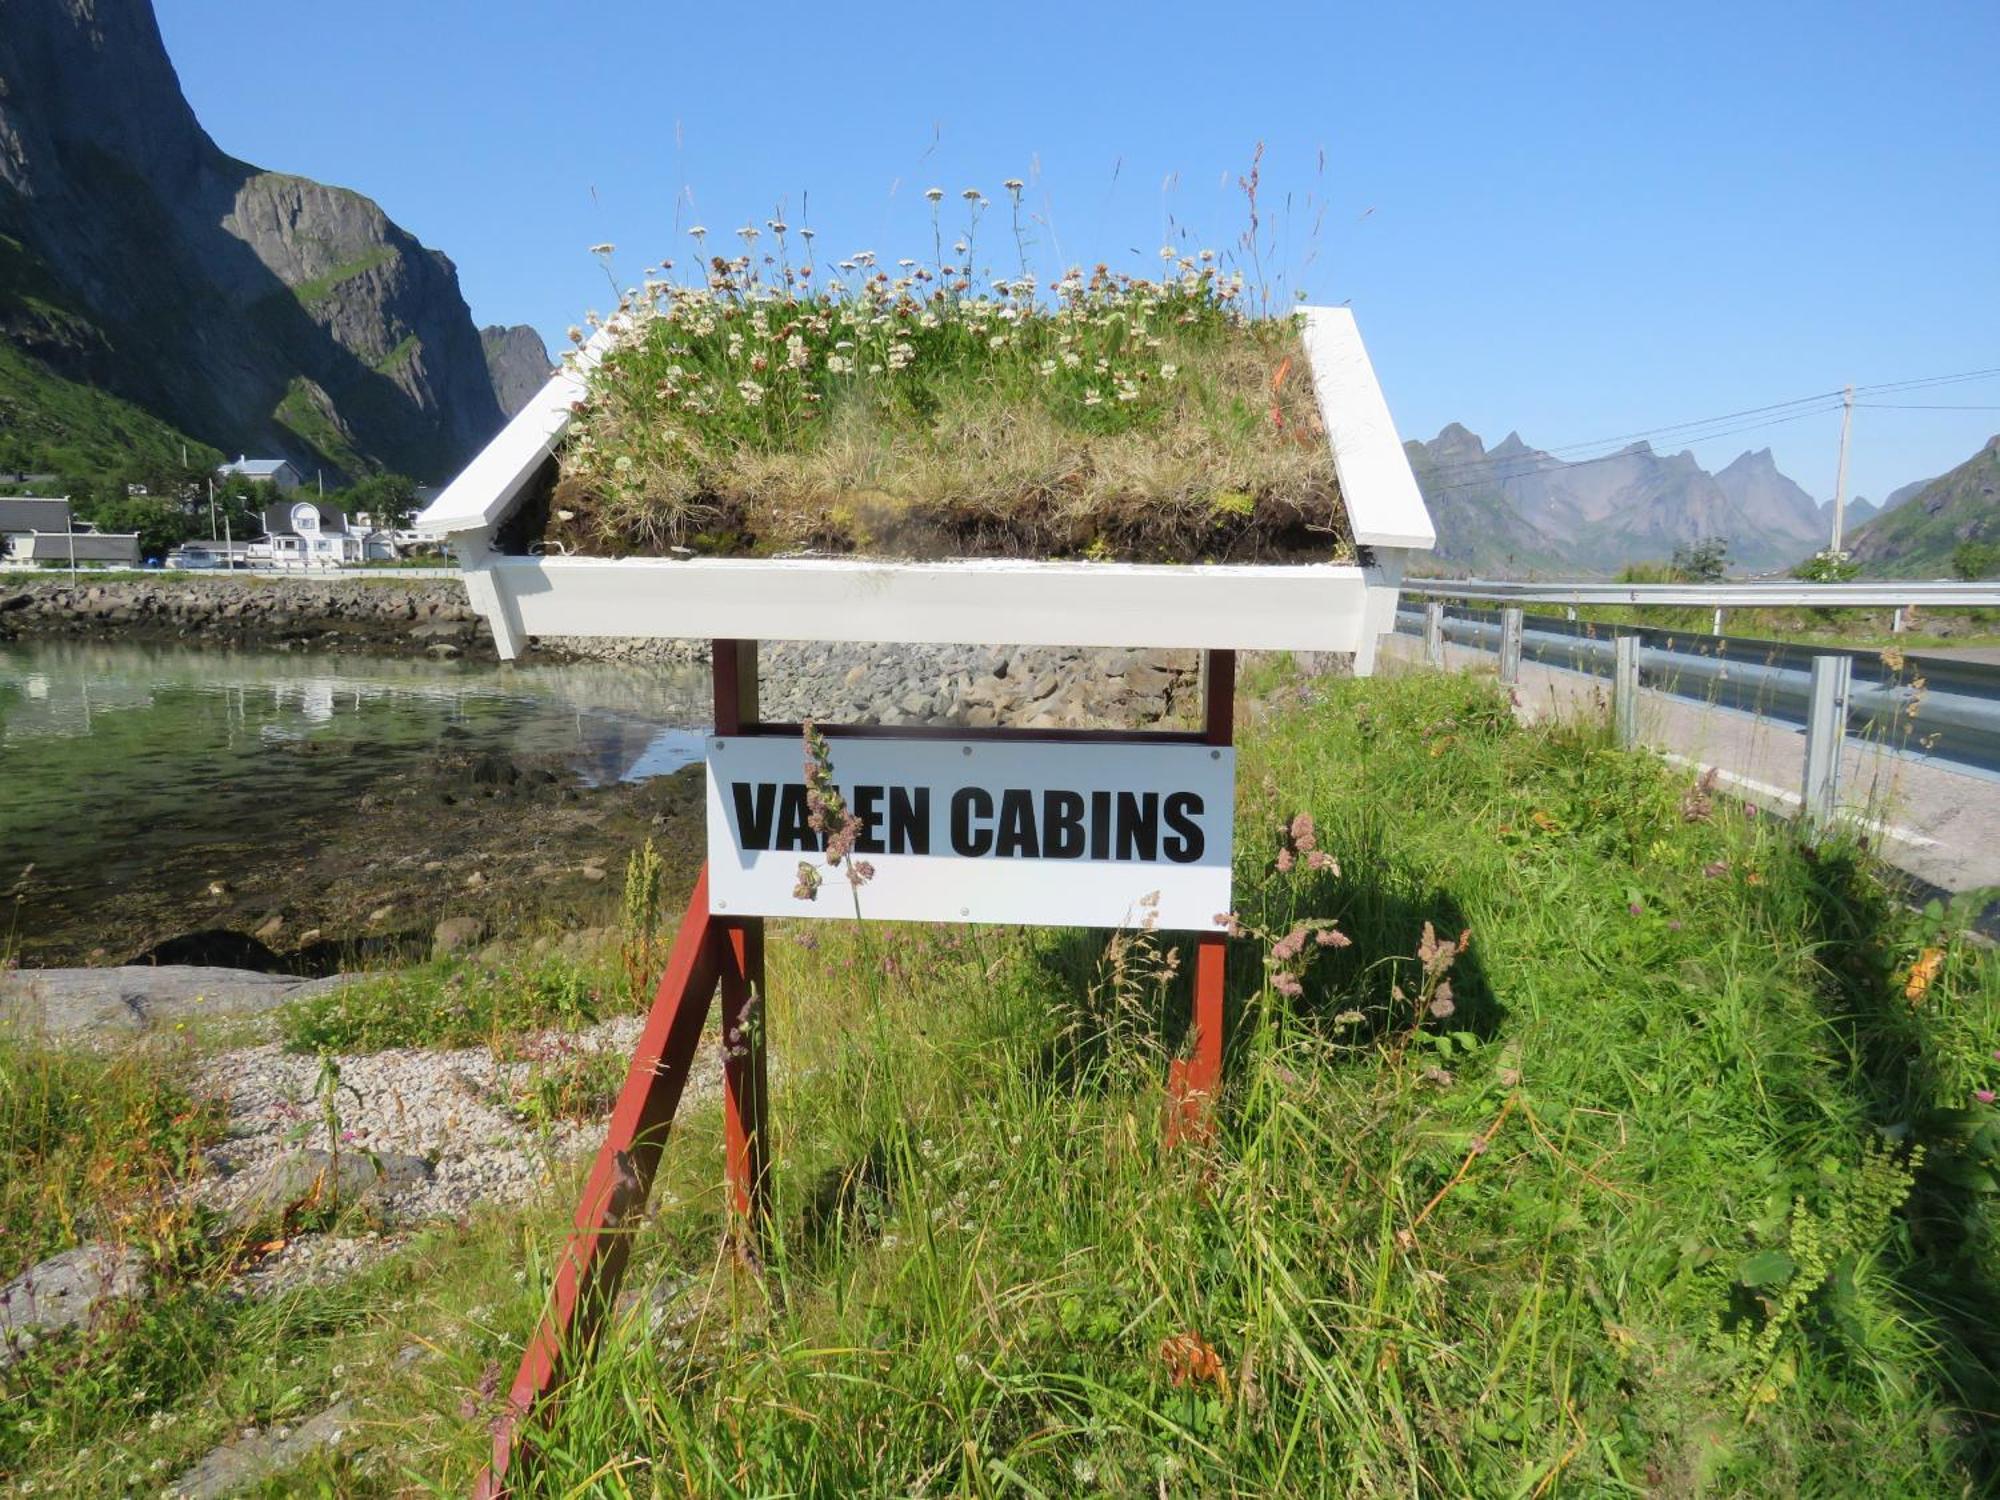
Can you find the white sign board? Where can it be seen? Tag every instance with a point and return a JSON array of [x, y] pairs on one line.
[[1032, 831]]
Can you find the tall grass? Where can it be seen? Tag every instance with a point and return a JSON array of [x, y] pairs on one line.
[[1685, 1189], [1636, 1214]]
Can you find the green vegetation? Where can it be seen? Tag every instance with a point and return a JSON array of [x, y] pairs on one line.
[[91, 1146], [1629, 1147], [49, 425], [316, 290], [305, 410], [1972, 561], [852, 409], [1924, 536], [451, 1004]]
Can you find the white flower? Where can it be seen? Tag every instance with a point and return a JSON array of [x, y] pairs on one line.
[[749, 232], [1091, 398], [698, 231], [602, 249], [1047, 367], [936, 195], [1169, 371], [970, 195], [751, 392], [1012, 185]]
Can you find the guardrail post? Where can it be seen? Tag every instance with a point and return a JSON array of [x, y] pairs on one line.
[[1510, 644], [1896, 621], [1625, 693], [1826, 732], [1433, 634], [1720, 615]]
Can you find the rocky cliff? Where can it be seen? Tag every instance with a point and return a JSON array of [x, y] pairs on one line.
[[518, 362], [250, 309]]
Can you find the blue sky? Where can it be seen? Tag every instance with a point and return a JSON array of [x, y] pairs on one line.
[[1575, 221]]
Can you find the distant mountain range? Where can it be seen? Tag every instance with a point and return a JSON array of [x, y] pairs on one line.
[[1513, 510], [154, 288]]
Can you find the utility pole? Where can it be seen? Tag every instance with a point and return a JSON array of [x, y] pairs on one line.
[[211, 507], [1840, 476]]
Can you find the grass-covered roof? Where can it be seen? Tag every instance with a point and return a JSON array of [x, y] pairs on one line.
[[901, 410]]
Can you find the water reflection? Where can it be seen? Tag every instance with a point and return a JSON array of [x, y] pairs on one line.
[[612, 723]]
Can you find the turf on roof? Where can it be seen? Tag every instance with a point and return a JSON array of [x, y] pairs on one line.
[[906, 415]]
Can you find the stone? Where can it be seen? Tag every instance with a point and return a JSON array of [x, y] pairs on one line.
[[137, 997], [64, 1291], [312, 1172], [270, 927], [592, 872], [251, 1457], [455, 935]]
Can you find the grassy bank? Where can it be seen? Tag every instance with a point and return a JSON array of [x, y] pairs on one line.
[[1658, 1164]]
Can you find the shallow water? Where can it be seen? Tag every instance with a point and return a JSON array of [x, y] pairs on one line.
[[123, 767]]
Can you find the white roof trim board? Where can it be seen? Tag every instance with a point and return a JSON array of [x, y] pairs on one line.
[[1325, 607]]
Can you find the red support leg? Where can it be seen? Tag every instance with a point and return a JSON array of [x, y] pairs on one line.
[[1192, 1081], [743, 1084], [621, 1179]]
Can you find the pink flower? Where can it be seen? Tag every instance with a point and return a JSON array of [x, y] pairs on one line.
[[1984, 1096], [1287, 984]]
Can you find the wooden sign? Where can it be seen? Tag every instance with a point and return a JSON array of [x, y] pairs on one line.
[[1059, 833]]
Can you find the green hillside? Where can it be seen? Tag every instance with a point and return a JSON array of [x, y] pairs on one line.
[[49, 425], [1920, 537]]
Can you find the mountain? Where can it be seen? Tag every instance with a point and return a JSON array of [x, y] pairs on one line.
[[1771, 501], [1478, 529], [1916, 538], [1859, 512], [517, 362], [248, 309], [1516, 509]]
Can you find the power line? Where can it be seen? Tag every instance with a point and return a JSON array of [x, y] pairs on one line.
[[1916, 406], [1698, 430], [1562, 464]]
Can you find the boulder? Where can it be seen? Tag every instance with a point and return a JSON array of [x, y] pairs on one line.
[[138, 997], [253, 1456], [455, 935], [64, 1291], [311, 1172]]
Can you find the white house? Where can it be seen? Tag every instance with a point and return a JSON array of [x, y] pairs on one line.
[[36, 530], [281, 472], [304, 533], [21, 518]]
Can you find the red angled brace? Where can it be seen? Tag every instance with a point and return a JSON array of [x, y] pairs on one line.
[[621, 1179]]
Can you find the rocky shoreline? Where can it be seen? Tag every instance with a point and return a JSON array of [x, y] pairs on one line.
[[371, 612]]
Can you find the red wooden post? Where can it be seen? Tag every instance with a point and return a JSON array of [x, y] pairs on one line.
[[744, 1022], [743, 1084], [1192, 1082], [620, 1180]]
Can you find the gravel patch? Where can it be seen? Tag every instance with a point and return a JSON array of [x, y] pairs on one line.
[[455, 1109]]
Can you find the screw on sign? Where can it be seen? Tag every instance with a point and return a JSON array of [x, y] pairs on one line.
[[1093, 828]]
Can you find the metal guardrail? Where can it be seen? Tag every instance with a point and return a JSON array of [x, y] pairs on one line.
[[1775, 593], [1931, 709]]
